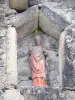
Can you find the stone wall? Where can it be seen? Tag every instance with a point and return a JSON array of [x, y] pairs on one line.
[[2, 56], [67, 3]]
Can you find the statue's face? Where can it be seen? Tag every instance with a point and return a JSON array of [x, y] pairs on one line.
[[38, 40]]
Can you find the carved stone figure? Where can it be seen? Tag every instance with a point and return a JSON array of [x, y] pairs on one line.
[[37, 57]]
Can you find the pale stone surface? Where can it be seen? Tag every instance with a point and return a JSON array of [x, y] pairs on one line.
[[61, 56], [11, 77], [18, 4], [26, 22], [12, 95], [67, 3]]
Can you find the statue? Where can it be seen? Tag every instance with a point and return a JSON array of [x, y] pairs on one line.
[[37, 58]]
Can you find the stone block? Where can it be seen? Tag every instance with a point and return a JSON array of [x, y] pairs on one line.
[[52, 19], [12, 95], [26, 22], [18, 4], [66, 58], [38, 93]]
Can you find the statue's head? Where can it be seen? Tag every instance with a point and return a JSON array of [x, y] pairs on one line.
[[37, 40]]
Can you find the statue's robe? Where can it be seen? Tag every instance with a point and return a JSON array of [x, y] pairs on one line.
[[37, 64]]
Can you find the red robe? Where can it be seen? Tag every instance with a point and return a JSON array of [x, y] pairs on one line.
[[37, 64]]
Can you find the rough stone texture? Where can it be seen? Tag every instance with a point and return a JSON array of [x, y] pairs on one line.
[[26, 22], [2, 56], [36, 2], [2, 17], [68, 3], [67, 59], [37, 93], [52, 19], [53, 69], [12, 95]]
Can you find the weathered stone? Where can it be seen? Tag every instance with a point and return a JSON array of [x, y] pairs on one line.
[[4, 4], [49, 42], [53, 18], [53, 69], [10, 12], [37, 93], [2, 1], [67, 95], [68, 3], [11, 71], [26, 22], [12, 95], [18, 4], [2, 77], [24, 84], [36, 2], [66, 56]]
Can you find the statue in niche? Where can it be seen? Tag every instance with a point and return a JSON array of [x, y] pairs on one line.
[[37, 62]]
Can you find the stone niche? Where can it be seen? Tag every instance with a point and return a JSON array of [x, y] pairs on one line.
[[52, 23]]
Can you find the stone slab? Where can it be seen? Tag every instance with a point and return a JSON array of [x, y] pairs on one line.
[[18, 4], [37, 93], [67, 56], [26, 22], [12, 95], [54, 18]]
